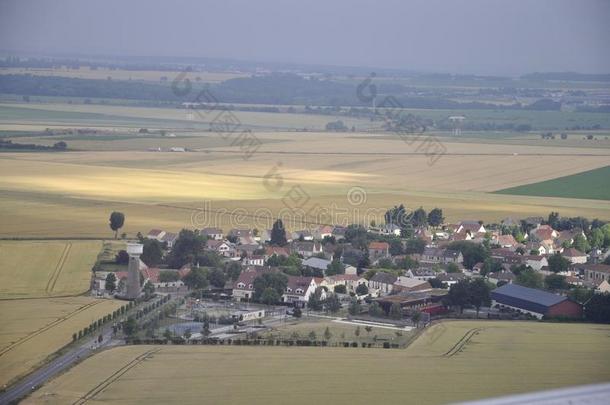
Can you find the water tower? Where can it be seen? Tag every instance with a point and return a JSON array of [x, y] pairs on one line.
[[134, 250], [457, 121]]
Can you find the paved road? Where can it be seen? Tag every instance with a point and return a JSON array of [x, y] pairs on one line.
[[60, 364]]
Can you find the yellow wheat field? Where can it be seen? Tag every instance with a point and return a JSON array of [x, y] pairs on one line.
[[33, 329], [46, 268], [495, 358]]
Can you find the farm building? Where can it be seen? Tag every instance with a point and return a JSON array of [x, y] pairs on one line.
[[425, 301], [535, 302]]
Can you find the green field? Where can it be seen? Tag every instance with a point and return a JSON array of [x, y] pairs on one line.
[[593, 184], [450, 362]]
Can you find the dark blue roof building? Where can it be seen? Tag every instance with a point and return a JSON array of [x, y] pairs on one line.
[[536, 302]]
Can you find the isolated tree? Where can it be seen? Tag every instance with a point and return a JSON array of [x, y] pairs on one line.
[[122, 257], [117, 220], [110, 284], [196, 279], [315, 300], [335, 267], [167, 334], [580, 243], [479, 293], [530, 278], [357, 331], [375, 309], [152, 252], [278, 233], [395, 311], [435, 217], [217, 278], [332, 304], [362, 289], [459, 295], [556, 282], [415, 318], [312, 335], [327, 334], [597, 309], [368, 329], [419, 217], [354, 307], [340, 289], [270, 296], [453, 268], [558, 263]]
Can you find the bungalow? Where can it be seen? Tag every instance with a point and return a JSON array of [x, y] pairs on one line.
[[451, 278], [316, 263], [472, 227], [390, 229], [169, 238], [212, 233], [306, 249], [421, 273], [506, 276], [254, 260], [339, 232], [603, 287], [298, 290], [322, 232], [544, 233], [378, 250], [575, 256], [505, 241], [410, 284], [595, 273], [382, 282], [223, 248], [276, 250], [536, 262], [243, 288], [156, 234], [439, 255], [350, 281], [303, 235]]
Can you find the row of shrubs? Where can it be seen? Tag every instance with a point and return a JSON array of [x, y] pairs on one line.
[[260, 342]]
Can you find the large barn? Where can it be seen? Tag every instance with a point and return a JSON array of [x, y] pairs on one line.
[[535, 302]]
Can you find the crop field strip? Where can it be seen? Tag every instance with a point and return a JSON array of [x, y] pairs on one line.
[[115, 376], [53, 324], [506, 358], [462, 342], [58, 268]]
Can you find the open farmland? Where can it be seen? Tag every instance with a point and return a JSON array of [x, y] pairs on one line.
[[593, 184], [72, 193], [471, 359], [30, 269], [33, 329]]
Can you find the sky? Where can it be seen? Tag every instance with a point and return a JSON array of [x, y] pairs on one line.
[[509, 37]]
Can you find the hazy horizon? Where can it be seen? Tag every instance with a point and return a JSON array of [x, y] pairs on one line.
[[478, 37]]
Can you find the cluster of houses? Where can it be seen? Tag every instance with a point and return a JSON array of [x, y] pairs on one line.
[[411, 288]]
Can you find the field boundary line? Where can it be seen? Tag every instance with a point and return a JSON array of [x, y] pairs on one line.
[[115, 376], [47, 327], [462, 342], [58, 268]]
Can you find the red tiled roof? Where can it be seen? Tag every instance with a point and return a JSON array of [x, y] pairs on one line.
[[572, 252], [379, 245]]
